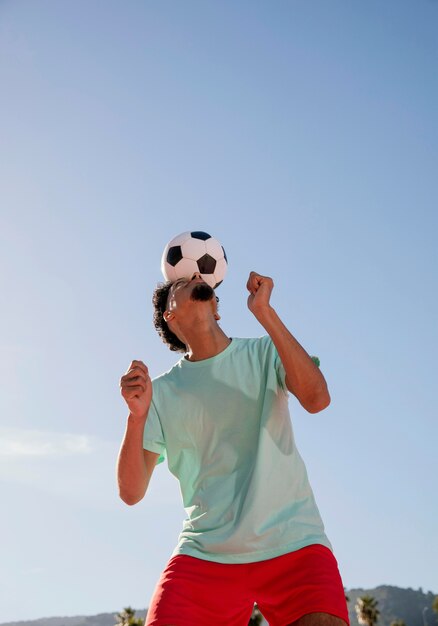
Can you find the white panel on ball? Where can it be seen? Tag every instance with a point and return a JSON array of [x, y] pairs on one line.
[[168, 272], [180, 239], [186, 268], [193, 248], [214, 248]]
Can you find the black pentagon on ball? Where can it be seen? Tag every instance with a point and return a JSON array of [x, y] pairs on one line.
[[199, 234], [206, 264], [174, 255], [225, 255]]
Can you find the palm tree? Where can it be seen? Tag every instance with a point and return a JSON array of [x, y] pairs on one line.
[[367, 611], [127, 618]]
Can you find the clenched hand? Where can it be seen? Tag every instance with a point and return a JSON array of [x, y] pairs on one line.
[[260, 289], [136, 389]]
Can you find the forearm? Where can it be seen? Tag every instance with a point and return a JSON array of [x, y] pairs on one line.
[[303, 377], [132, 475]]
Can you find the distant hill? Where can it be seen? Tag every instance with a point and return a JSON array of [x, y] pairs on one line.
[[103, 619], [393, 603], [396, 603]]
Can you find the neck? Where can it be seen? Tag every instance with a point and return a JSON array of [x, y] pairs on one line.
[[205, 342]]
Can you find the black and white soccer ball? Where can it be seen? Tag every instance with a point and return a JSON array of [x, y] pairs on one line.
[[193, 252]]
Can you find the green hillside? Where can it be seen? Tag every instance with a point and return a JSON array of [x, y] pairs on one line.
[[414, 607]]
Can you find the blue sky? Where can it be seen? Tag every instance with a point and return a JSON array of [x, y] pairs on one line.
[[303, 135]]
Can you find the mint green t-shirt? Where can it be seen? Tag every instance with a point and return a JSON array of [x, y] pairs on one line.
[[224, 425]]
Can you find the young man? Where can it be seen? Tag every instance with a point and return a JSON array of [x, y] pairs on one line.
[[253, 532]]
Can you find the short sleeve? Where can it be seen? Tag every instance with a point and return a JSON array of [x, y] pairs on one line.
[[153, 438], [279, 370], [274, 363]]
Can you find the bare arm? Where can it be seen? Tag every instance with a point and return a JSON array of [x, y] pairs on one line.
[[303, 378], [134, 464]]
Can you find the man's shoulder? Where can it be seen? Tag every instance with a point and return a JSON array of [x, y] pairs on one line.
[[166, 376], [254, 342]]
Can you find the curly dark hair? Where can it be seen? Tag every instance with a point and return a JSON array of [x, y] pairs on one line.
[[159, 300]]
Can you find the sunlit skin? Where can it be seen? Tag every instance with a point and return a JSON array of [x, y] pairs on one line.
[[318, 619], [195, 322]]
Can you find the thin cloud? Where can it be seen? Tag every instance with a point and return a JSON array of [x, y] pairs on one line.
[[74, 467], [36, 443]]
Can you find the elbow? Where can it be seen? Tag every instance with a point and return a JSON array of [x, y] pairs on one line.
[[318, 403], [130, 499]]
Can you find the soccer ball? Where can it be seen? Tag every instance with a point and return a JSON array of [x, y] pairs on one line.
[[193, 252]]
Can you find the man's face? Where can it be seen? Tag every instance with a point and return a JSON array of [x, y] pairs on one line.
[[186, 290]]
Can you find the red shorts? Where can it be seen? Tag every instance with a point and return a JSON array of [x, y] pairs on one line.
[[194, 592]]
